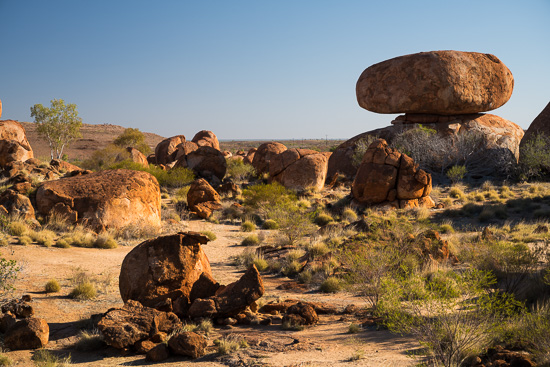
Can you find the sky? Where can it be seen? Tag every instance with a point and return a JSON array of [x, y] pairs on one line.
[[280, 69]]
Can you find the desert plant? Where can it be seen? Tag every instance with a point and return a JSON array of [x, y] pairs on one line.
[[290, 325], [360, 149], [261, 264], [331, 285], [534, 157], [89, 341], [9, 270], [5, 360], [25, 240], [348, 214], [211, 235], [252, 240], [354, 328], [17, 228], [105, 241], [230, 344], [323, 219], [440, 321], [248, 226], [270, 224], [132, 138], [239, 171], [45, 358], [84, 290], [456, 173], [52, 286]]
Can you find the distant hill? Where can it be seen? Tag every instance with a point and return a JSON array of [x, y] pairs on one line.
[[94, 137]]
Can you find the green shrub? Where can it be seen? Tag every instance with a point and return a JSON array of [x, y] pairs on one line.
[[238, 170], [305, 277], [105, 241], [323, 219], [292, 268], [270, 224], [534, 157], [252, 240], [456, 173], [211, 235], [318, 249], [84, 291], [132, 138], [52, 286], [17, 228], [261, 264], [360, 149], [5, 360], [9, 269], [248, 226], [331, 285]]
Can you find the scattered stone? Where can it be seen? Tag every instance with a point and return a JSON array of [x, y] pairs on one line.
[[31, 333], [124, 327], [231, 300], [188, 344], [158, 353], [144, 346], [19, 308]]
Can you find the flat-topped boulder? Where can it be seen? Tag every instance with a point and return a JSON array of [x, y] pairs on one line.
[[436, 82], [105, 199]]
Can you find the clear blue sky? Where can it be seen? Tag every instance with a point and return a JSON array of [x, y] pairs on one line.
[[250, 69]]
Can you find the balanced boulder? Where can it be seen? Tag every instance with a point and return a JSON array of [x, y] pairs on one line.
[[386, 175], [161, 272], [202, 199], [299, 169], [436, 82], [105, 199], [263, 155]]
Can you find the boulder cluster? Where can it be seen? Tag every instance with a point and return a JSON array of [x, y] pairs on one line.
[[20, 328], [386, 175]]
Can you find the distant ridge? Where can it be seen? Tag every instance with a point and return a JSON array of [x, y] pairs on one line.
[[94, 137]]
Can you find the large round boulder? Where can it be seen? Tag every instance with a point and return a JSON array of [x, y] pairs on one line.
[[137, 157], [14, 145], [162, 271], [263, 155], [436, 82], [105, 199], [166, 150], [541, 124], [206, 138], [207, 162], [299, 169]]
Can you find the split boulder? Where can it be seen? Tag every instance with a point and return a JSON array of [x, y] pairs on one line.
[[166, 150], [264, 154], [202, 199], [299, 169]]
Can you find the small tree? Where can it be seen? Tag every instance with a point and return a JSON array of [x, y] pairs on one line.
[[132, 138], [59, 124]]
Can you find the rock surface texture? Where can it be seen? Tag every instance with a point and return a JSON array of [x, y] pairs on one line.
[[205, 138], [162, 271], [31, 333], [105, 199], [386, 175], [299, 169], [14, 145], [436, 82]]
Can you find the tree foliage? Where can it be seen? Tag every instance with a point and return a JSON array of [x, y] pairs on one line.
[[132, 138], [58, 124]]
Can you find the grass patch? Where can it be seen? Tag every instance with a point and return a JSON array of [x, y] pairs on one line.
[[84, 290], [230, 344], [52, 286], [252, 240], [270, 224], [89, 341], [248, 226], [105, 241], [211, 235], [331, 285], [45, 358]]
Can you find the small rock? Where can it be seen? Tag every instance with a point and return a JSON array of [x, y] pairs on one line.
[[158, 353], [31, 333], [188, 344]]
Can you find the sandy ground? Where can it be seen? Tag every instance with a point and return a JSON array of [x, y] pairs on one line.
[[326, 344]]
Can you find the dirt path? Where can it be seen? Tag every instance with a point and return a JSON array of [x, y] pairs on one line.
[[326, 344]]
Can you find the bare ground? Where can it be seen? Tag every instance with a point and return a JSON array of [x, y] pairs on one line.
[[326, 344]]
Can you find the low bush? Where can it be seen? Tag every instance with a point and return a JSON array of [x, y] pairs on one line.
[[230, 344], [261, 264], [52, 286], [456, 173], [239, 171], [248, 226], [252, 240], [84, 291], [354, 328], [270, 224], [5, 360], [211, 235], [331, 285], [45, 358], [17, 228], [323, 219]]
